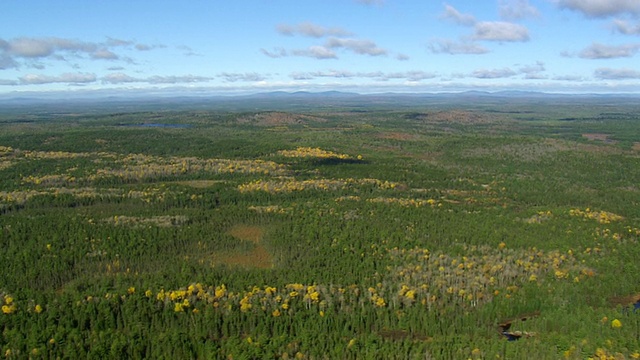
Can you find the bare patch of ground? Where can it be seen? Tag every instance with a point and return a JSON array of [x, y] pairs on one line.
[[258, 257], [247, 233], [625, 300], [275, 118], [599, 137], [636, 146]]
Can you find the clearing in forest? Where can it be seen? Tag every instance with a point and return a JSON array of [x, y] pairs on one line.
[[257, 257]]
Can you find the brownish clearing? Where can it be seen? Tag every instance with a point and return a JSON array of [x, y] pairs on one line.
[[394, 334], [599, 137], [247, 233], [258, 257], [593, 137], [278, 118], [625, 300], [636, 146]]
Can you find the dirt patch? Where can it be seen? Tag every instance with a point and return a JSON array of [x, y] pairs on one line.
[[399, 335], [624, 301], [599, 137], [596, 136], [257, 257], [247, 233], [636, 146], [278, 118]]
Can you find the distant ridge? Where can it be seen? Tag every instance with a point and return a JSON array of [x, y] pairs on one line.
[[181, 99], [332, 93]]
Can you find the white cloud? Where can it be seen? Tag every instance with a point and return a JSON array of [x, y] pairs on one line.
[[450, 13], [118, 78], [301, 76], [311, 30], [517, 9], [533, 71], [104, 54], [27, 50], [233, 77], [411, 76], [146, 47], [121, 78], [118, 42], [456, 48], [534, 68], [602, 51], [335, 40], [535, 76], [316, 52], [624, 27], [500, 31], [31, 48], [601, 8], [493, 73], [569, 78], [187, 50], [322, 52], [179, 79], [616, 74], [402, 57], [43, 47], [276, 53], [340, 74], [70, 78], [358, 46]]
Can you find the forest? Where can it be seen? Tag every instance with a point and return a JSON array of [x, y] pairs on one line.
[[447, 230]]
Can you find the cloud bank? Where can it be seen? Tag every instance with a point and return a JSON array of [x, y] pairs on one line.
[[602, 8], [26, 51]]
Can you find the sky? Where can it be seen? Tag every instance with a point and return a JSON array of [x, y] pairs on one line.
[[366, 46]]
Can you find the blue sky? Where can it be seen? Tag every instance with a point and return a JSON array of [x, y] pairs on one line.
[[366, 46]]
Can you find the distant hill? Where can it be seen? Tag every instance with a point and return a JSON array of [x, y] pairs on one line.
[[178, 99]]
